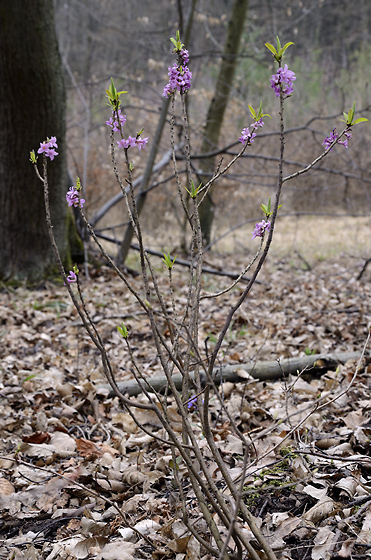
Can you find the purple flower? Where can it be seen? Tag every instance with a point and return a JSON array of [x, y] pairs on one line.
[[333, 136], [132, 141], [192, 403], [247, 135], [184, 55], [53, 142], [72, 277], [330, 139], [141, 142], [51, 153], [256, 124], [179, 78], [284, 79], [123, 143], [113, 122], [47, 148], [73, 198], [348, 136], [261, 228]]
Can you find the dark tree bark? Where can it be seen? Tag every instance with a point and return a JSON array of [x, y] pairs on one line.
[[32, 101]]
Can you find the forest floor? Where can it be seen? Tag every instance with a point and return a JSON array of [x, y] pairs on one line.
[[78, 478]]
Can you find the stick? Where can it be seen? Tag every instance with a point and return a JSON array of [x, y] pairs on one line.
[[263, 371]]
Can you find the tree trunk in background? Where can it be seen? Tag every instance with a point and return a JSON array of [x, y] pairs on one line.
[[218, 106], [141, 198], [32, 101]]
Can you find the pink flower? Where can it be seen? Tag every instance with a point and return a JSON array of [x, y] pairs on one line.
[[73, 198], [72, 277], [47, 148], [141, 142], [261, 228], [123, 143], [284, 79], [114, 123]]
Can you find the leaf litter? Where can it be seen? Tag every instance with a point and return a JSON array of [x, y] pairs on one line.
[[79, 479]]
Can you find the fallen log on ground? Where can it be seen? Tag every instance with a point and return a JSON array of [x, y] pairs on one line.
[[263, 371]]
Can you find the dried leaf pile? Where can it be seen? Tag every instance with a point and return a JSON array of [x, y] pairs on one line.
[[78, 479]]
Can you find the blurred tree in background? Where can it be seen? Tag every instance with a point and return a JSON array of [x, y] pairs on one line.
[[32, 100]]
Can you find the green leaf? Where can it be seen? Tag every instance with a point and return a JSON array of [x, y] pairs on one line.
[[33, 157], [278, 44], [353, 110], [194, 190], [169, 262], [361, 119], [113, 89], [173, 41], [252, 111], [123, 330], [32, 376], [271, 48], [287, 46]]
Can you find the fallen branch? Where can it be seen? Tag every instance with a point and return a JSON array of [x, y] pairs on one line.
[[263, 371]]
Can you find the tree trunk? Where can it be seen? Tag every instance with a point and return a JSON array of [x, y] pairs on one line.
[[218, 106], [32, 101]]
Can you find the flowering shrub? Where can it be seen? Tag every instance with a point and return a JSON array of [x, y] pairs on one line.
[[182, 350]]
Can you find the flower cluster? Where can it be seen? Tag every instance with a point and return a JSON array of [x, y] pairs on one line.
[[117, 124], [179, 75], [283, 79], [333, 136], [261, 228], [73, 198], [47, 148], [248, 134], [132, 141], [114, 123]]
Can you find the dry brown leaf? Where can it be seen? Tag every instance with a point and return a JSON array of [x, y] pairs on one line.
[[6, 487], [37, 437], [86, 448], [320, 510], [323, 543], [133, 477], [346, 548]]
